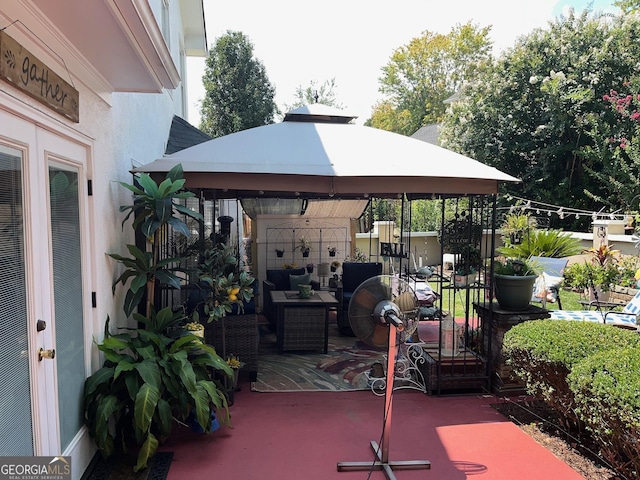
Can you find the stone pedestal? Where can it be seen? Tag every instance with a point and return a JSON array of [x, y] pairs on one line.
[[498, 321]]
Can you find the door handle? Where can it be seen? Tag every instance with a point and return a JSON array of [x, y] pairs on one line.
[[49, 354]]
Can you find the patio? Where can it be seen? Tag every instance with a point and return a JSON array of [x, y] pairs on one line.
[[305, 435]]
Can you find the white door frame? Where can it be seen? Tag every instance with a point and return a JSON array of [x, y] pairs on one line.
[[44, 140]]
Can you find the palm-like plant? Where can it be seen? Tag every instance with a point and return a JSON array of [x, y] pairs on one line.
[[543, 243]]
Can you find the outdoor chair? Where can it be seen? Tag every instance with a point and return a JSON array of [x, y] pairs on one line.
[[353, 274], [548, 284], [627, 318]]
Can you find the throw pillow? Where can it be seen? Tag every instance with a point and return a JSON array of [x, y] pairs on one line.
[[295, 280]]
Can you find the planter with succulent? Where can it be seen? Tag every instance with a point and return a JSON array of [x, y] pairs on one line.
[[310, 267], [279, 252], [513, 281], [335, 265], [157, 372], [304, 246], [332, 251]]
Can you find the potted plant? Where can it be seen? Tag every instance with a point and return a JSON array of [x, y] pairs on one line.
[[513, 281], [279, 252], [466, 266], [158, 371], [597, 274], [332, 250], [310, 267], [335, 265], [235, 364], [515, 227], [304, 246]]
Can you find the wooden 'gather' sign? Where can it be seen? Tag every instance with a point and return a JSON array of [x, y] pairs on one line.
[[23, 70]]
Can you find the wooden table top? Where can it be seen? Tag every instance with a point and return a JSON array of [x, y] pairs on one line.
[[287, 297]]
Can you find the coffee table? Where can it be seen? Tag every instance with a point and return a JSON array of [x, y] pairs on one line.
[[302, 323]]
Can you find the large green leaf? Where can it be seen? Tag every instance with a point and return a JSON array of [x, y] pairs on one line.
[[133, 386], [168, 278], [150, 372], [202, 409], [147, 450], [124, 366], [183, 369], [179, 226], [132, 300], [106, 407], [176, 173], [145, 406], [114, 343], [100, 377], [148, 184], [164, 417], [188, 212], [166, 318], [163, 209]]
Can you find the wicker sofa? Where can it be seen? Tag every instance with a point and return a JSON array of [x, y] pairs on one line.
[[279, 279]]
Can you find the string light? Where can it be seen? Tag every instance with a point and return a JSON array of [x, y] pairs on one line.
[[523, 204]]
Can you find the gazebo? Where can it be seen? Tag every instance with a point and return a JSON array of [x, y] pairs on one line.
[[318, 163]]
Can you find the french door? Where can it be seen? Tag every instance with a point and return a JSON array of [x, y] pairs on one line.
[[43, 300]]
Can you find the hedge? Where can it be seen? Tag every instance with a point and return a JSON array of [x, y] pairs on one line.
[[606, 388], [543, 353]]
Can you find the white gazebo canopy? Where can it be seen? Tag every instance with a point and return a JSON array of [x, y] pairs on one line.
[[317, 153]]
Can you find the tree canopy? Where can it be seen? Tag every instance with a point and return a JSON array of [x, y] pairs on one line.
[[420, 76], [238, 94], [538, 112]]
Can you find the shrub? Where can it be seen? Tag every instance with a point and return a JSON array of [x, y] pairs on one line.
[[543, 353], [606, 388]]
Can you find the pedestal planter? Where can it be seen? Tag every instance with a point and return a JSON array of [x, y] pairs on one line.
[[513, 292]]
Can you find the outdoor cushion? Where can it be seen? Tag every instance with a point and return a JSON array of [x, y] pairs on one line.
[[612, 318], [280, 277], [627, 318], [296, 280]]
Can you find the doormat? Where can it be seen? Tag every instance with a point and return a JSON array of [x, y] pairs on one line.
[[113, 469]]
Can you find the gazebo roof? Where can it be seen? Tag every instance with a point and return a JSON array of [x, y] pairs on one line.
[[317, 153]]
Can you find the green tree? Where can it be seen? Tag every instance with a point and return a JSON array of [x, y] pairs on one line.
[[628, 6], [238, 92], [616, 143], [315, 93], [424, 73], [528, 113]]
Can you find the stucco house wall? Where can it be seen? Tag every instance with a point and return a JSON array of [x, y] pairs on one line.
[[130, 85]]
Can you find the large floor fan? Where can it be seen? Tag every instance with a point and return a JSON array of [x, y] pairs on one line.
[[383, 311]]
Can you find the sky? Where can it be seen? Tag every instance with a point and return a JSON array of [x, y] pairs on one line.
[[351, 40]]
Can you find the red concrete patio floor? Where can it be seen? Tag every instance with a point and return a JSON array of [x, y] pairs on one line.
[[304, 435]]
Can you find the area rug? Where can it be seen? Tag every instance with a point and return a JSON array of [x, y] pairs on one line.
[[342, 368], [112, 469]]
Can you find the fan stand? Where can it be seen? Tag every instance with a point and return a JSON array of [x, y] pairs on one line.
[[382, 452]]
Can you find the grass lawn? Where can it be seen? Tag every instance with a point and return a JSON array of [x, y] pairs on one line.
[[570, 301]]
